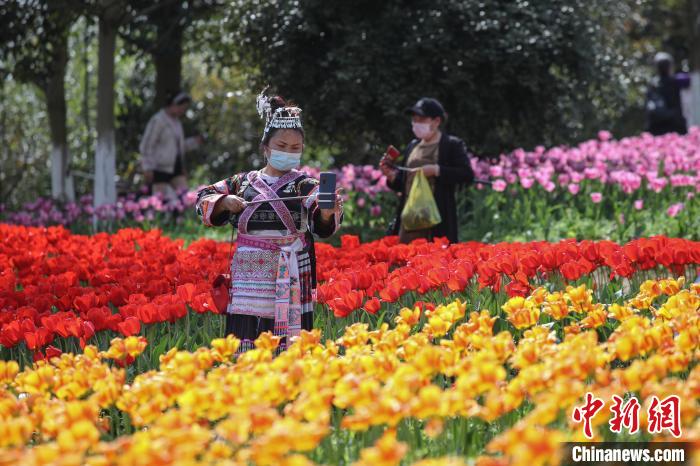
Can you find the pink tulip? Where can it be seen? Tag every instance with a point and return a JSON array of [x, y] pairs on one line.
[[499, 185], [675, 209], [524, 172], [574, 188], [496, 171], [527, 182], [604, 135], [658, 184], [596, 197], [639, 204], [577, 177]]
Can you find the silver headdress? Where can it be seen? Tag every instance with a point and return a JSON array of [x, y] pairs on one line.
[[283, 117]]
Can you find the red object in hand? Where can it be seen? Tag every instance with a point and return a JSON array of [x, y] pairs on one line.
[[219, 292], [393, 153]]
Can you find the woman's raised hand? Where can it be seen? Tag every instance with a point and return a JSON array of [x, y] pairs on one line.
[[386, 166], [327, 214]]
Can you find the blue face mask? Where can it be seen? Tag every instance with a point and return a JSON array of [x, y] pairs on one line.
[[284, 161]]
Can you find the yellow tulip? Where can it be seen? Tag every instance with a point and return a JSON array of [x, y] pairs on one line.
[[388, 451], [596, 317], [225, 348], [580, 298], [8, 371], [409, 316]]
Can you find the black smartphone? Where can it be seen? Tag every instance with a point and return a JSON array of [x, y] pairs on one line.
[[326, 190]]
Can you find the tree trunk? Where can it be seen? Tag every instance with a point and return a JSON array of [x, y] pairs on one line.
[[167, 58], [86, 84], [53, 86], [105, 190], [54, 91]]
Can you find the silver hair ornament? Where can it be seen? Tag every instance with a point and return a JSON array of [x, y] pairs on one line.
[[282, 118], [263, 105]]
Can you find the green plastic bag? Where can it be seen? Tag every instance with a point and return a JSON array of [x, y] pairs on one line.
[[420, 211]]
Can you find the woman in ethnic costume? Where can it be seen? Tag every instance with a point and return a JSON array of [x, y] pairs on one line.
[[273, 272]]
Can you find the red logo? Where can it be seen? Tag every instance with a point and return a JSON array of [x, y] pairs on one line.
[[586, 412], [626, 415], [665, 415], [662, 414]]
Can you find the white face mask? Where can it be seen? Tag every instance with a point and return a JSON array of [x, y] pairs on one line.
[[422, 130], [284, 161]]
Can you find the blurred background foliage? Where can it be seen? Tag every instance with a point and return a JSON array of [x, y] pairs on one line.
[[510, 73]]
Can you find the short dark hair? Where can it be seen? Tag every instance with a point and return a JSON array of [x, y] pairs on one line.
[[176, 97]]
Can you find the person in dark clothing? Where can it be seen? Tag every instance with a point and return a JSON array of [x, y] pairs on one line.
[[664, 113], [444, 161]]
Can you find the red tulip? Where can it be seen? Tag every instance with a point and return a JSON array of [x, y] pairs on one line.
[[130, 326], [99, 317], [186, 292], [53, 352], [11, 334], [392, 292], [73, 326], [342, 306], [349, 241], [372, 305], [88, 330], [203, 303], [38, 339], [85, 302]]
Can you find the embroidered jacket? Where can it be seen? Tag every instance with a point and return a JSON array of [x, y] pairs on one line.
[[305, 213]]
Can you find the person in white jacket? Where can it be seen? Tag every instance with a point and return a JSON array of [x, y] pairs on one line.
[[163, 147]]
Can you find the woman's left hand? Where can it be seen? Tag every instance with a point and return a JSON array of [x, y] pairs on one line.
[[431, 170], [327, 214]]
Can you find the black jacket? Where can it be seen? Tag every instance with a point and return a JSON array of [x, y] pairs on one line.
[[664, 111], [455, 170]]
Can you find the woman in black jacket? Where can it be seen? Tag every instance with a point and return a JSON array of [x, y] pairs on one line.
[[443, 160]]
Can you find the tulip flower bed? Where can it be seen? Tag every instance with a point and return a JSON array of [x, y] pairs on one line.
[[385, 272], [637, 186], [602, 188], [634, 163], [59, 291], [365, 183], [439, 385]]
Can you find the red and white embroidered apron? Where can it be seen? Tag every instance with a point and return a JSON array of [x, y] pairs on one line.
[[265, 275]]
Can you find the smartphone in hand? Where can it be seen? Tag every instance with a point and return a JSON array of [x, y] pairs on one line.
[[326, 190], [392, 153]]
